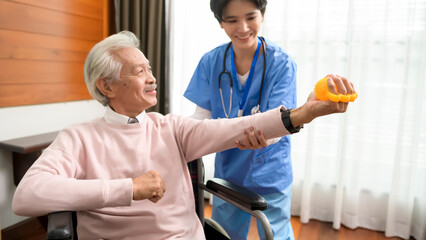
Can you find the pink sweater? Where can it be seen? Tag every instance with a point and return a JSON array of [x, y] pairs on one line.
[[89, 168]]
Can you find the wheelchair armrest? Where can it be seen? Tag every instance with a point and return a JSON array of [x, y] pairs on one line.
[[238, 194], [60, 226]]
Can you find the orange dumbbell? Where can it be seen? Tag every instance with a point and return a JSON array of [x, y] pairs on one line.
[[322, 93]]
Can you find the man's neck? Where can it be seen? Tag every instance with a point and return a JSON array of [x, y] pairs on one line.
[[124, 112]]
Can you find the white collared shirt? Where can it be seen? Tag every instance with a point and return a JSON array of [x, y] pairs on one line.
[[113, 117]]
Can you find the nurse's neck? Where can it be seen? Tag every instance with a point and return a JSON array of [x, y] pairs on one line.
[[244, 58], [244, 52]]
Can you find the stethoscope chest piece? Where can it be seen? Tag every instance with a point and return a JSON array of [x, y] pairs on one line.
[[255, 110]]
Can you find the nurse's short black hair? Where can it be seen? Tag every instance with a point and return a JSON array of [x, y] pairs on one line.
[[217, 7]]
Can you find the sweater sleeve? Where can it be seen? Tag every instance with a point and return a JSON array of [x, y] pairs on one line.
[[52, 184], [199, 138], [201, 113]]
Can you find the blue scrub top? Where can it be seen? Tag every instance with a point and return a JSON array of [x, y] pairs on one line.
[[265, 170]]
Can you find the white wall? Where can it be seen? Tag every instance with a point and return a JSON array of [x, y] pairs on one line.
[[16, 122]]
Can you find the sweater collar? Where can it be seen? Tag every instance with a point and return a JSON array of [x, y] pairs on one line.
[[113, 117]]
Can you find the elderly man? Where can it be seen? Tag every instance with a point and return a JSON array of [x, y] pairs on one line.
[[130, 181]]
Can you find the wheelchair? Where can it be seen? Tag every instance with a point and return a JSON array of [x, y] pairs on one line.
[[62, 225]]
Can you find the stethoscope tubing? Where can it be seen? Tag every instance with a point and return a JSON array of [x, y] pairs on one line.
[[225, 72]]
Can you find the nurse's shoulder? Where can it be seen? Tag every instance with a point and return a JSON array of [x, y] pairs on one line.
[[277, 54]]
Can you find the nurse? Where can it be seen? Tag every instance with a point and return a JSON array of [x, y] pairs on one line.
[[240, 78]]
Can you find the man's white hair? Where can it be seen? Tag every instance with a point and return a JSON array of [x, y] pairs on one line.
[[101, 64]]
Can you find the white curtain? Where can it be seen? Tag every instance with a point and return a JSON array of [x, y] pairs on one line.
[[367, 167]]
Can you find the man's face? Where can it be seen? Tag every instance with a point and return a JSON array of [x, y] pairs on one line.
[[135, 91]]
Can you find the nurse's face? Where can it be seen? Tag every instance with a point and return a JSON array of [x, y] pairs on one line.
[[242, 21]]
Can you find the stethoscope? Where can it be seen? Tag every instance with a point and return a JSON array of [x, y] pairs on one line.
[[255, 109]]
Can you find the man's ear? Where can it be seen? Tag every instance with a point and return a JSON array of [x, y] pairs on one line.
[[105, 87]]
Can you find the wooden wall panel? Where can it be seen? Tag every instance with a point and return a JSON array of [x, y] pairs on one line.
[[23, 45], [21, 72], [87, 8], [41, 93], [28, 18], [43, 45]]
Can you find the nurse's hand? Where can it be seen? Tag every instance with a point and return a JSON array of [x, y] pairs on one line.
[[252, 140]]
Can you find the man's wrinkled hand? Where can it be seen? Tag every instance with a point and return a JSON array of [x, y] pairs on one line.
[[149, 186], [314, 107]]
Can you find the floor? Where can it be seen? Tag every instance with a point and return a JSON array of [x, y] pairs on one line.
[[317, 230], [314, 230]]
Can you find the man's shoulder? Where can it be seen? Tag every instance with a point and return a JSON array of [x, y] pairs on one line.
[[75, 133], [157, 117], [173, 120], [83, 125], [80, 130]]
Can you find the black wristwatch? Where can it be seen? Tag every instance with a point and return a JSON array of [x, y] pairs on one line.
[[285, 117]]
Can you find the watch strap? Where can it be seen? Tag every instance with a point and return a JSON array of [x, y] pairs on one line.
[[285, 117]]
